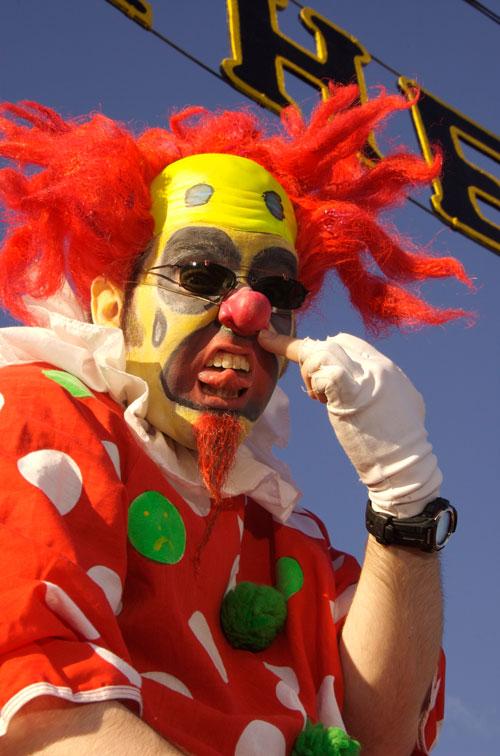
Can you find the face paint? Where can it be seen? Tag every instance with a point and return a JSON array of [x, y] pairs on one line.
[[221, 190], [198, 355], [190, 361], [159, 329]]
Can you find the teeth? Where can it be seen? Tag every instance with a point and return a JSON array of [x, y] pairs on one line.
[[228, 360], [224, 393]]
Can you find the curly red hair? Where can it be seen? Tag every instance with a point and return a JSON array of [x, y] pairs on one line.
[[77, 204]]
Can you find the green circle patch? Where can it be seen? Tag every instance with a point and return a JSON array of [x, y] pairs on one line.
[[156, 529], [289, 576], [70, 382]]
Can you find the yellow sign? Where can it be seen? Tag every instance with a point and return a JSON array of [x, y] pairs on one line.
[[466, 194], [137, 10], [466, 197]]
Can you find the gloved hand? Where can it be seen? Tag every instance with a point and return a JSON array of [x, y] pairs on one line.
[[378, 418]]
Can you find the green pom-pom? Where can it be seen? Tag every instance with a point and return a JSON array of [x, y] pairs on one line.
[[252, 615], [317, 740]]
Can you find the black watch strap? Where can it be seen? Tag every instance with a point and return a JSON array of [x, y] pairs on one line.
[[428, 531]]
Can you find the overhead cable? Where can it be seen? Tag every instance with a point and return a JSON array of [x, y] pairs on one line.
[[187, 55], [483, 9], [373, 57], [211, 71]]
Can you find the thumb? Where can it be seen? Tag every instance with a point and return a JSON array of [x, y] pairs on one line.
[[286, 346]]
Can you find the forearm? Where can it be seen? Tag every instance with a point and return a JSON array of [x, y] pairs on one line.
[[390, 647], [51, 727]]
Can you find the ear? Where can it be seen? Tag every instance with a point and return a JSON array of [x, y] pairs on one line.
[[107, 302]]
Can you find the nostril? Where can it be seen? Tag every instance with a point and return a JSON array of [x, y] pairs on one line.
[[245, 311]]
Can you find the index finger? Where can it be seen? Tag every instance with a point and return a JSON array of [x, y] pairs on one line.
[[286, 346]]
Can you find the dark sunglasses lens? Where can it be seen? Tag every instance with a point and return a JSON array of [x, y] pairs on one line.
[[206, 280], [283, 293]]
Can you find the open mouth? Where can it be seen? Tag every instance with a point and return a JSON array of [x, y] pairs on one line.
[[225, 375]]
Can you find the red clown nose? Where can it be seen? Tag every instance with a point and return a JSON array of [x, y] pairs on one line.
[[245, 311]]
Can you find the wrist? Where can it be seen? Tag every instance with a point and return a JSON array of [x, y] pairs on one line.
[[429, 530]]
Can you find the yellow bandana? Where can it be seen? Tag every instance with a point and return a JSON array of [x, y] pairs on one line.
[[221, 190]]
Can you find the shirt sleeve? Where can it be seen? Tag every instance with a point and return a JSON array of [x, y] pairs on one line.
[[346, 570], [63, 520]]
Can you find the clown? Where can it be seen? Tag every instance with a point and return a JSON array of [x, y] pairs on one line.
[[248, 238], [174, 597]]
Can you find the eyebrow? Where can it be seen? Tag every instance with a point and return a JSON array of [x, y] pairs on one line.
[[198, 242]]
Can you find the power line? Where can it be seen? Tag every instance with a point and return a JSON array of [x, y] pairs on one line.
[[422, 207], [147, 26], [187, 55], [398, 74], [483, 9], [385, 65], [209, 70], [217, 75], [373, 57]]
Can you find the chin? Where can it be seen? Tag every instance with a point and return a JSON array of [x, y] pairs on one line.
[[179, 425]]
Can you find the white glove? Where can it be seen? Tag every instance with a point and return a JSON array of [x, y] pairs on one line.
[[378, 418]]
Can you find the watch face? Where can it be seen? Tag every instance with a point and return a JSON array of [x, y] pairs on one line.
[[446, 524], [443, 528]]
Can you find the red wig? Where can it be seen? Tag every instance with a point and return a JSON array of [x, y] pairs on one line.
[[77, 202]]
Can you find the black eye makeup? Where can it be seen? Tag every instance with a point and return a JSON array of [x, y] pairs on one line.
[[204, 262], [200, 243], [211, 281]]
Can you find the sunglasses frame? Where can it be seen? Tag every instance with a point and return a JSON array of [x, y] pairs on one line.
[[218, 298]]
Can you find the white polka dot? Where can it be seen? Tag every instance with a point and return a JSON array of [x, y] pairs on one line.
[[301, 520], [287, 674], [61, 604], [439, 727], [342, 603], [332, 609], [114, 455], [289, 698], [2, 401], [260, 738], [338, 562], [120, 665], [328, 708], [436, 684], [287, 690], [232, 577], [54, 473], [169, 681], [201, 630], [110, 583]]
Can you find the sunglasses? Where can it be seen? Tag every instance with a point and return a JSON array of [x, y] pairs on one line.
[[212, 282]]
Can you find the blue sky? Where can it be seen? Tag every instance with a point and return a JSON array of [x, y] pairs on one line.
[[84, 55]]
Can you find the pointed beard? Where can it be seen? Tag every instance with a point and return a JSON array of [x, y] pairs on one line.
[[217, 437]]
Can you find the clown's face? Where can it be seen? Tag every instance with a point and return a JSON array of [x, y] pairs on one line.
[[192, 355]]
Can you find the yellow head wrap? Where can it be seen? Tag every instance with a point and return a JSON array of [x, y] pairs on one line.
[[221, 190]]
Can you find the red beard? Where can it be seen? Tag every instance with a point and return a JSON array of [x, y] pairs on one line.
[[217, 437]]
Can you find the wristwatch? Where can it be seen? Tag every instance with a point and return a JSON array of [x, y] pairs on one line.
[[428, 531]]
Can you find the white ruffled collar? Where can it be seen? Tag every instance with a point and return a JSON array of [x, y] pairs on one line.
[[96, 355]]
